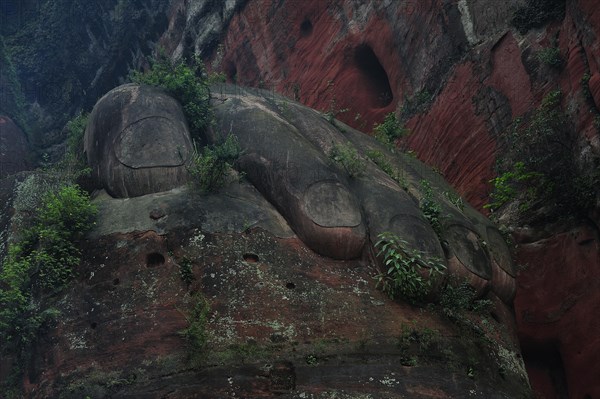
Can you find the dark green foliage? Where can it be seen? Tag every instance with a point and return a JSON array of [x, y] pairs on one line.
[[585, 87], [405, 269], [551, 56], [539, 166], [347, 157], [12, 101], [185, 271], [432, 210], [187, 83], [461, 297], [210, 168], [43, 261], [381, 160], [416, 104], [389, 130], [195, 333], [537, 13], [69, 52]]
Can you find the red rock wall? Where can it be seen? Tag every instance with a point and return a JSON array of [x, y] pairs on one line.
[[483, 75]]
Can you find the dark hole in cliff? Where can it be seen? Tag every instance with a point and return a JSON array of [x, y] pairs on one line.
[[546, 359], [93, 326], [374, 75], [250, 258], [306, 28], [116, 281], [155, 259], [290, 286], [231, 72]]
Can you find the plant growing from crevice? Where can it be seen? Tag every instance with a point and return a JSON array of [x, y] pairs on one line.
[[457, 298], [389, 131], [195, 333], [539, 166], [408, 272], [416, 104], [455, 199], [432, 210], [210, 167], [186, 83], [537, 13], [42, 261], [347, 157], [384, 164], [551, 57]]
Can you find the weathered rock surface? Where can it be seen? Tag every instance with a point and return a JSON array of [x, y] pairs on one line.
[[14, 149], [278, 319], [138, 142], [481, 72]]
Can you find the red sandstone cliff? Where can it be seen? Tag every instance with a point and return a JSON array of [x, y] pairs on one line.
[[370, 58]]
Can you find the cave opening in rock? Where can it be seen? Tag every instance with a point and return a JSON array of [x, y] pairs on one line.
[[306, 28], [547, 360], [250, 258], [155, 259], [374, 75]]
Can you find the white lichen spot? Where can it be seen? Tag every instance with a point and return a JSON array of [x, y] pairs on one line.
[[76, 341], [197, 239], [389, 381]]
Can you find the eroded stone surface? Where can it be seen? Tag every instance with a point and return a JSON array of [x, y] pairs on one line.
[[137, 141]]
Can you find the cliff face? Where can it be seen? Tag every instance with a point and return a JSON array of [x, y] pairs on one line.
[[459, 73], [266, 288]]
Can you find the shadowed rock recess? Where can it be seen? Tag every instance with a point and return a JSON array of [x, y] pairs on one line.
[[282, 261]]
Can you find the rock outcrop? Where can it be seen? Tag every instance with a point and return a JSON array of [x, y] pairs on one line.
[[14, 148], [277, 317], [460, 74], [138, 142]]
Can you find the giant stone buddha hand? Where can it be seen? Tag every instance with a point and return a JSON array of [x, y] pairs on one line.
[[137, 143]]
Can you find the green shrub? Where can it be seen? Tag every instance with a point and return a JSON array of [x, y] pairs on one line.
[[384, 164], [389, 130], [195, 333], [551, 56], [539, 165], [209, 169], [43, 260], [516, 183], [537, 13], [416, 104], [456, 298], [186, 83], [455, 199], [405, 269], [347, 157], [432, 210]]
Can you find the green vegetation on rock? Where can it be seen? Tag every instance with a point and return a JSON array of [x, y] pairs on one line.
[[537, 13], [405, 269], [540, 168], [347, 157], [186, 83], [42, 261], [551, 56], [389, 130], [210, 167]]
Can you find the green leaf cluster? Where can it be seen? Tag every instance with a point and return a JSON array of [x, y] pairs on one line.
[[187, 83], [195, 333], [42, 261], [347, 157], [409, 272], [551, 56], [539, 166], [537, 13], [432, 209], [210, 167], [389, 130], [384, 164]]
